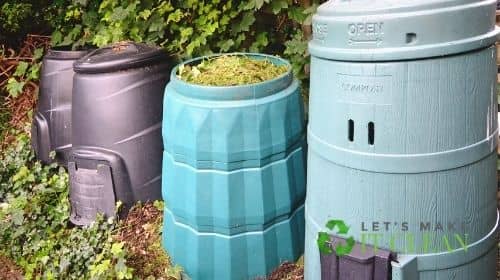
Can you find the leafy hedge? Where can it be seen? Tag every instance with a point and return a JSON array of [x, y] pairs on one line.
[[184, 28], [20, 17], [192, 28]]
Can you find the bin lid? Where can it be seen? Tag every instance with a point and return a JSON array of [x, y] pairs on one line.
[[378, 30], [65, 53], [120, 56]]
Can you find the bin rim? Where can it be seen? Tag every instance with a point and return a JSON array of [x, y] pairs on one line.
[[121, 56], [397, 30], [238, 92], [66, 53]]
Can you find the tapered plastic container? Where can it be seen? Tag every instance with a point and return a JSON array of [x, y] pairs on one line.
[[51, 129], [117, 115], [403, 130], [233, 176]]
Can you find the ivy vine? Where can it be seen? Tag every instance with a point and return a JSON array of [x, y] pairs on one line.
[[192, 28]]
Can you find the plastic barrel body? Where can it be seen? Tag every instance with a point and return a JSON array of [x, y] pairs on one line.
[[402, 136], [117, 130], [233, 177], [51, 130]]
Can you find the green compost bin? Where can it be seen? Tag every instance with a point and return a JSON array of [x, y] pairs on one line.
[[402, 140], [233, 175]]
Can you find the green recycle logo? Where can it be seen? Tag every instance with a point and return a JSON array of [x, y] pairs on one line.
[[324, 239]]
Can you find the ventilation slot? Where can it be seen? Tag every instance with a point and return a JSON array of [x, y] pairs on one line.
[[350, 131], [411, 38], [371, 133]]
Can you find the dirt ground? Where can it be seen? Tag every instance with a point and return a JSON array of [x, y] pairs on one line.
[[141, 232], [288, 271], [9, 270]]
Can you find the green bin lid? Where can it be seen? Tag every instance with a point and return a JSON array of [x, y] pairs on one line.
[[386, 30]]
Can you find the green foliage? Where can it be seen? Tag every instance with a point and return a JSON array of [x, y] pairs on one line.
[[20, 17], [13, 15], [296, 52], [4, 117], [190, 28], [24, 73], [34, 228], [14, 87], [110, 263]]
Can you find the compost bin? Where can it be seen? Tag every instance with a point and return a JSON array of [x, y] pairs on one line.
[[402, 139], [234, 175], [117, 115]]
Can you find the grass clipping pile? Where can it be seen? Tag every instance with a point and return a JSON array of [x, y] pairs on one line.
[[231, 70]]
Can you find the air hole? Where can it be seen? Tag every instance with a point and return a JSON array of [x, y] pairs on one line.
[[350, 131], [411, 38], [371, 133]]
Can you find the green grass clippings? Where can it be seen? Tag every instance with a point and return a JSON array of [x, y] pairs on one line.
[[231, 70]]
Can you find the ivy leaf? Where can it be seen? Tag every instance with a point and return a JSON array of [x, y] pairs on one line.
[[72, 35], [21, 69], [310, 12], [297, 14], [144, 14], [56, 38], [175, 16], [118, 14], [261, 41], [17, 216], [165, 7], [34, 72], [121, 269], [312, 9], [224, 46], [308, 20], [117, 248], [157, 24], [242, 37], [186, 34], [296, 46], [278, 5], [259, 4], [245, 23], [37, 54], [14, 88]]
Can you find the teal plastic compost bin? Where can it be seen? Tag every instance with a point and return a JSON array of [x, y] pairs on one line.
[[234, 176], [402, 139]]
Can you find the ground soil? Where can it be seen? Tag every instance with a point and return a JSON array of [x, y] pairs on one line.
[[288, 271], [140, 232], [9, 270]]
